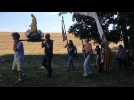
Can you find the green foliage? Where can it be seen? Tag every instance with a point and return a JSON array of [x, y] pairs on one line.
[[85, 27]]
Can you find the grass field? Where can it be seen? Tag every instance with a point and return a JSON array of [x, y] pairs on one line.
[[37, 77]]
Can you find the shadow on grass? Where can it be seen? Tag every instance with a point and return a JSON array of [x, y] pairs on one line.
[[36, 76]]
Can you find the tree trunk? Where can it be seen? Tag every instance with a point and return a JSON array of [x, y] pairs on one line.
[[125, 41]]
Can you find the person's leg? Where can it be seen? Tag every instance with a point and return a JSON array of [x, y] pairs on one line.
[[89, 67], [85, 66], [69, 63], [72, 63], [49, 68], [19, 70], [47, 64], [124, 63], [101, 67], [44, 62], [14, 64], [118, 69], [97, 64], [119, 63]]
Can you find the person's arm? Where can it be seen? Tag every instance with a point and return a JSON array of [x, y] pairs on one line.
[[76, 50], [83, 49], [19, 46], [42, 44], [52, 45], [66, 45]]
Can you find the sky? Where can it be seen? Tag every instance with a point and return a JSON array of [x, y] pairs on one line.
[[20, 21]]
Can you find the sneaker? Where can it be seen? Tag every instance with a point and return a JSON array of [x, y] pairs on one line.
[[18, 81], [13, 70], [85, 75], [42, 67], [23, 76]]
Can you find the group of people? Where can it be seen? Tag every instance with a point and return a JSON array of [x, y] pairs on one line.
[[18, 62], [101, 55], [47, 44]]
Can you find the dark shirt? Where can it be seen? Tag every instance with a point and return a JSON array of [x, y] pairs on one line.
[[122, 52], [48, 45], [71, 50], [98, 51]]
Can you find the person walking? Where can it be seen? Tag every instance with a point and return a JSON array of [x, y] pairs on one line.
[[87, 50], [47, 59]]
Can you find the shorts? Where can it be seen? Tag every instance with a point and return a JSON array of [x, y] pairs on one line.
[[17, 64]]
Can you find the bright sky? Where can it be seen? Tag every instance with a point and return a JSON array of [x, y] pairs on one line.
[[20, 21]]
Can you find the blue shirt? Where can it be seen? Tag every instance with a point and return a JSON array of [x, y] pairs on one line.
[[20, 52]]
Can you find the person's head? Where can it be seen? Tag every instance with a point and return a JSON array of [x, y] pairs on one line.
[[47, 36], [120, 46], [32, 15], [97, 46], [16, 36]]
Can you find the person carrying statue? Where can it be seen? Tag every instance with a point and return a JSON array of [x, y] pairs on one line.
[[18, 62], [47, 44]]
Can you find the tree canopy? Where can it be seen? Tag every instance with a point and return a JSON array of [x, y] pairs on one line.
[[122, 26]]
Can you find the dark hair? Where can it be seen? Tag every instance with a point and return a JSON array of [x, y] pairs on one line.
[[47, 36], [97, 46], [121, 46], [32, 14], [16, 35]]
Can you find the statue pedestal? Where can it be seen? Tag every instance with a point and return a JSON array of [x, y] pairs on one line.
[[34, 36]]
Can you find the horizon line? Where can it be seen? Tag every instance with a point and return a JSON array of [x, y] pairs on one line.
[[25, 32]]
